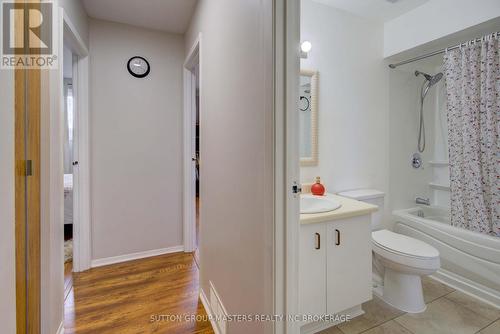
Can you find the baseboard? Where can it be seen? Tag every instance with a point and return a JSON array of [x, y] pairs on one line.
[[208, 310], [60, 330], [134, 256], [467, 286]]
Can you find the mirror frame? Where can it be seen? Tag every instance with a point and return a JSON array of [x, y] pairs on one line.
[[313, 159]]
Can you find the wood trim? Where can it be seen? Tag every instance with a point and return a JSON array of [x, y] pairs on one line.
[[82, 235], [209, 311], [313, 159], [135, 256], [280, 181], [60, 329], [20, 201], [20, 190], [189, 82], [292, 158], [27, 195], [33, 202]]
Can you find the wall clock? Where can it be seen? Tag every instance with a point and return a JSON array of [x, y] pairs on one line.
[[138, 67]]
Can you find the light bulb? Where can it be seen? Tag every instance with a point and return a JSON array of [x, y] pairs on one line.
[[306, 46]]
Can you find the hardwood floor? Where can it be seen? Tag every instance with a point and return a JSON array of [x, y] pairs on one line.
[[68, 278], [137, 297]]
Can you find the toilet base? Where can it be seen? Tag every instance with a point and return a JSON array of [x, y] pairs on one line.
[[403, 291]]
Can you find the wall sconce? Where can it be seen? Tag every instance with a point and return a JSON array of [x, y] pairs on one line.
[[305, 47]]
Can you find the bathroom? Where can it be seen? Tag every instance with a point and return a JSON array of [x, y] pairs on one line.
[[363, 133]]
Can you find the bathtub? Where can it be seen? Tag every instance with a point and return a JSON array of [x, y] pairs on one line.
[[470, 261]]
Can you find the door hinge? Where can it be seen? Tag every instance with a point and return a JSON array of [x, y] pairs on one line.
[[29, 168], [296, 189]]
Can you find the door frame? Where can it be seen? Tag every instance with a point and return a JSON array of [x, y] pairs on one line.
[[81, 183], [286, 163], [189, 185]]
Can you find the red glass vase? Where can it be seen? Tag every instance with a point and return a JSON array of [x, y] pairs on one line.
[[318, 189]]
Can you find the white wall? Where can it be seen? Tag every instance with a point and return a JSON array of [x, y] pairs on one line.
[[353, 98], [436, 19], [236, 187], [7, 237], [136, 140]]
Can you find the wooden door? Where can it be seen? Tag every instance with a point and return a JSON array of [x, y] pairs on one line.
[[27, 195]]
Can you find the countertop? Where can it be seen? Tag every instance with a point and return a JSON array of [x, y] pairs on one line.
[[349, 208]]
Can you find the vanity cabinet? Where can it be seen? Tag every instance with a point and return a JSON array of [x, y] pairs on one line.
[[335, 265]]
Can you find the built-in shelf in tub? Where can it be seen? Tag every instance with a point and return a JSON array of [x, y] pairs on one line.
[[439, 163], [439, 186]]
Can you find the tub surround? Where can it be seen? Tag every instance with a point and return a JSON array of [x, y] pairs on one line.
[[349, 208]]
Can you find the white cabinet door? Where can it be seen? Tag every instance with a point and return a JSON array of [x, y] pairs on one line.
[[312, 269], [349, 263]]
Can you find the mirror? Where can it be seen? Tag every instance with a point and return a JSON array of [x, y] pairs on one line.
[[308, 118]]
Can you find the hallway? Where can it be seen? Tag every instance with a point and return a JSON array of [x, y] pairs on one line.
[[135, 297]]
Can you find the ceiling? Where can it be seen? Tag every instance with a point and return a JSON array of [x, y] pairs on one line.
[[380, 10], [166, 15]]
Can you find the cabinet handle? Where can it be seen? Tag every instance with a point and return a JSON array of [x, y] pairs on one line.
[[318, 241], [337, 237]]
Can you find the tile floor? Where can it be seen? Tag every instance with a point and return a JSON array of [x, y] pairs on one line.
[[448, 312]]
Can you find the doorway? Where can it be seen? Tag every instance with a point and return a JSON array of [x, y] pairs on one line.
[[73, 109], [69, 164], [192, 154], [71, 170], [196, 131]]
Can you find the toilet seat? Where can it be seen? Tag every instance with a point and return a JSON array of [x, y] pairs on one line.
[[405, 250]]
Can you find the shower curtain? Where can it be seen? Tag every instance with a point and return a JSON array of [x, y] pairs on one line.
[[473, 105]]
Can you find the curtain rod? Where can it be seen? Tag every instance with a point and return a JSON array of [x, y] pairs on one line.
[[430, 54]]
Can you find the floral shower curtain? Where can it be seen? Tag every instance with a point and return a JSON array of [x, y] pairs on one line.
[[473, 102]]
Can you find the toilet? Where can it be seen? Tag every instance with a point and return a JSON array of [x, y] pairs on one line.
[[399, 261]]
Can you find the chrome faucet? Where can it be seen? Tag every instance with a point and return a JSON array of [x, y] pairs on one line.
[[424, 201]]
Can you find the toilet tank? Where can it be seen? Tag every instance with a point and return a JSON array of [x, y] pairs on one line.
[[371, 196]]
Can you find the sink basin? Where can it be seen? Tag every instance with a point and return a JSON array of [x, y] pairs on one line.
[[317, 204]]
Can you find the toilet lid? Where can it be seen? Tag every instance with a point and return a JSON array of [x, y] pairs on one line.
[[403, 244]]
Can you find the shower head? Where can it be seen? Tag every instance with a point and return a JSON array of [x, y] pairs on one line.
[[432, 79], [435, 79]]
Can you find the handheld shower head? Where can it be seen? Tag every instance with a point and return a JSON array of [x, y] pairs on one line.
[[432, 79], [435, 79]]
